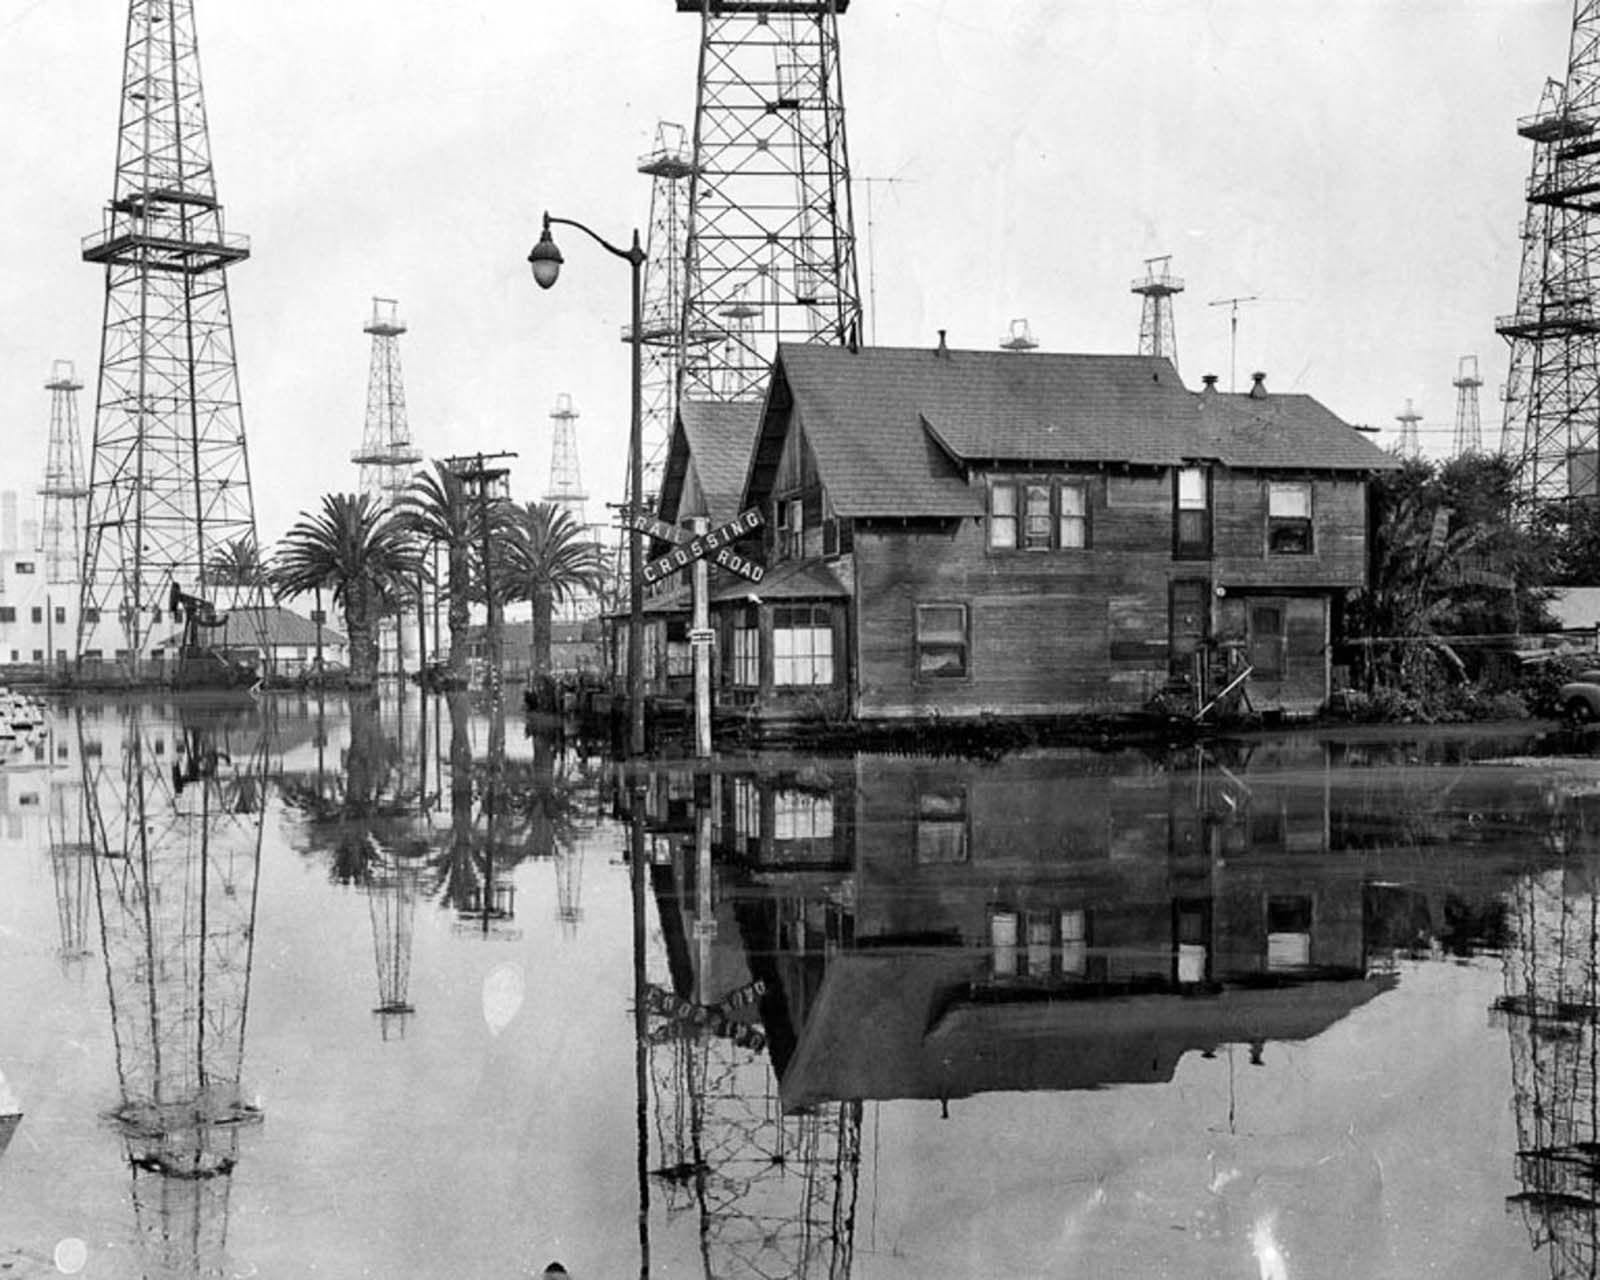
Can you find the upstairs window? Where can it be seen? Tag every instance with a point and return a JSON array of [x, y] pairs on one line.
[[24, 566], [8, 613], [791, 522], [1191, 533], [37, 614], [1038, 515], [1289, 518]]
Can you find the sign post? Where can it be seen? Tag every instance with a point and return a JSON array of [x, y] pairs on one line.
[[700, 592]]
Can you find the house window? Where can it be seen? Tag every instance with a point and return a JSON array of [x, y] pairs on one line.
[[61, 615], [1074, 942], [1191, 533], [746, 810], [1072, 523], [1288, 932], [1289, 518], [8, 613], [802, 645], [37, 614], [24, 566], [745, 668], [941, 640], [38, 655], [1037, 515], [941, 827], [801, 815], [91, 615], [791, 528]]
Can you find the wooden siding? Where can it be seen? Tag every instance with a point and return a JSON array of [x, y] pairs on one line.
[[1239, 534]]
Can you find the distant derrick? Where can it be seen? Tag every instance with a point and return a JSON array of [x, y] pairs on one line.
[[1157, 335], [1469, 427], [1410, 442], [387, 458], [770, 249], [64, 490], [566, 485]]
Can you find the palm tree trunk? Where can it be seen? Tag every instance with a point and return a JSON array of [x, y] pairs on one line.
[[460, 614], [363, 642], [541, 677]]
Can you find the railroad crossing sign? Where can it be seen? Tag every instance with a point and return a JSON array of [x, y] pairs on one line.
[[714, 545], [653, 528]]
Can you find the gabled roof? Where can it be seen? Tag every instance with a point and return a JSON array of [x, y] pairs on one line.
[[714, 438], [1277, 432], [896, 430]]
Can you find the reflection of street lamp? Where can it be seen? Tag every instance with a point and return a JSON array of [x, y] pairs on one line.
[[545, 259]]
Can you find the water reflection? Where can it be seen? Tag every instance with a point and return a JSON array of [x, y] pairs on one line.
[[841, 932], [173, 811]]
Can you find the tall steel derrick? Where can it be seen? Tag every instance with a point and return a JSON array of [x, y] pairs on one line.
[[169, 478], [668, 167], [1551, 426], [1157, 334], [770, 252], [63, 490], [387, 456], [176, 830]]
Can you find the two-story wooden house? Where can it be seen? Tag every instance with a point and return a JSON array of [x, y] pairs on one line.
[[989, 533]]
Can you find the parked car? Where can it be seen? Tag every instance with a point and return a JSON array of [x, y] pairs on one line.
[[1580, 698]]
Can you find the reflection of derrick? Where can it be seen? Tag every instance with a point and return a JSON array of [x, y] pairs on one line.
[[70, 864], [1551, 1007], [177, 850], [775, 1193], [391, 885]]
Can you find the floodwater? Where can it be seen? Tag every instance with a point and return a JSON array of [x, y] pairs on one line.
[[395, 989]]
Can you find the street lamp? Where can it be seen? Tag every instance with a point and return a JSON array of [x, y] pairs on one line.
[[545, 259]]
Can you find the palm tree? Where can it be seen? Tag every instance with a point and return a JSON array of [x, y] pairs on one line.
[[439, 511], [355, 548], [549, 560], [237, 564]]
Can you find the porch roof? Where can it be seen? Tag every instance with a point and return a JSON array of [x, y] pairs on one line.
[[801, 580]]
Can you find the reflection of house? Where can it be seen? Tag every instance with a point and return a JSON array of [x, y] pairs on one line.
[[936, 927], [575, 648], [959, 533]]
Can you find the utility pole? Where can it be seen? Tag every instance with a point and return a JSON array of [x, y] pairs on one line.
[[477, 477]]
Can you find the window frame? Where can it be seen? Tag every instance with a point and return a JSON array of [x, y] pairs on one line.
[[1030, 526], [1291, 535], [939, 641], [1200, 548], [820, 623]]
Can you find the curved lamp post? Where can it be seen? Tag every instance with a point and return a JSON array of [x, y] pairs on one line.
[[546, 260]]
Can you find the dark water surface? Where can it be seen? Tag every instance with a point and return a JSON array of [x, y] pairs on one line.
[[396, 990]]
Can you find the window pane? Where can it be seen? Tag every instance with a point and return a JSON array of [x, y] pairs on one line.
[[1003, 500], [942, 660], [1292, 501], [1192, 528], [942, 622], [1192, 489], [1072, 500]]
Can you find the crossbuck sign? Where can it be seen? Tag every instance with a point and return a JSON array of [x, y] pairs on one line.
[[714, 545]]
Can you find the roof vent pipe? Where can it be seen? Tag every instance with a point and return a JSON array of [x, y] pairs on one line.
[[1258, 386], [942, 349], [1210, 379]]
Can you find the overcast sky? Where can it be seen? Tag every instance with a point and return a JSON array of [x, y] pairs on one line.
[[1352, 163]]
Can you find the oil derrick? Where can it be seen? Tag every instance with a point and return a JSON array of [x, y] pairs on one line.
[[769, 223], [1157, 336], [1410, 445], [176, 833], [661, 308], [566, 486], [1550, 1009], [1553, 388], [386, 456], [63, 490], [169, 479], [1469, 426]]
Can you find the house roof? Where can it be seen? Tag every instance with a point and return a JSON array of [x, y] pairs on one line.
[[893, 429], [1275, 431], [277, 626], [714, 438]]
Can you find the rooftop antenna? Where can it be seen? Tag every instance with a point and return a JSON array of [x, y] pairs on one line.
[[872, 262], [1233, 334]]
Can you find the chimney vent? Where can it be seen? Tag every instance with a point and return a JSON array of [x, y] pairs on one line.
[[1258, 386], [1210, 379], [942, 349]]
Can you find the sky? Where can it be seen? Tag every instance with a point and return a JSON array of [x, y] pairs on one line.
[[1351, 164]]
